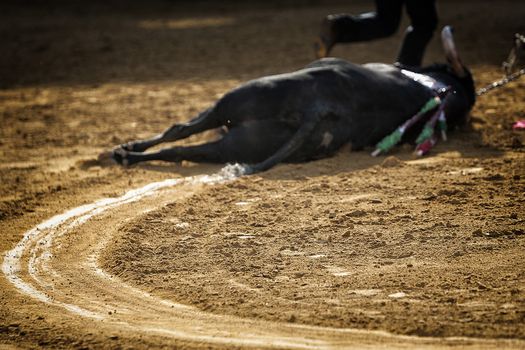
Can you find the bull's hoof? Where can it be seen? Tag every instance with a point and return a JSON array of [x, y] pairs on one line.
[[105, 158], [134, 146], [120, 156], [248, 169]]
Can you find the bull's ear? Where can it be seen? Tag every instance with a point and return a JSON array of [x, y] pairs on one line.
[[447, 40]]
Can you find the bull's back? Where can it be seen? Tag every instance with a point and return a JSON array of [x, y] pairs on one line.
[[354, 103]]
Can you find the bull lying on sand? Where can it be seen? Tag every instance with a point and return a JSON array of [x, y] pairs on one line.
[[312, 112]]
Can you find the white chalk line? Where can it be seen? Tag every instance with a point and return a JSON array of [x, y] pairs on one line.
[[37, 245], [41, 236]]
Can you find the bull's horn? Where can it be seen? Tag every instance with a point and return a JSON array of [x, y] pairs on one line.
[[447, 39]]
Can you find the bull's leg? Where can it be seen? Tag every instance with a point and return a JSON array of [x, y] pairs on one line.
[[291, 146], [248, 143], [208, 153], [204, 121]]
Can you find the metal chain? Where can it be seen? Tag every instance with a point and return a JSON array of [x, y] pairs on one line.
[[502, 82]]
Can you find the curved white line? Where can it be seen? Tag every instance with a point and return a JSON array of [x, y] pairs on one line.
[[44, 232], [37, 245]]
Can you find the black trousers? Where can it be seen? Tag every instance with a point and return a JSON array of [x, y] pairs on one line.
[[385, 22]]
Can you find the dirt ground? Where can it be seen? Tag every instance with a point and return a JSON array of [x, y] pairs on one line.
[[350, 252]]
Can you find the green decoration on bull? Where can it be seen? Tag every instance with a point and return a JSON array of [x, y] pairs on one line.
[[430, 105], [387, 143], [442, 125], [426, 133]]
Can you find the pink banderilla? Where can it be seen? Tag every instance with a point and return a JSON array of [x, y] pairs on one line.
[[519, 125]]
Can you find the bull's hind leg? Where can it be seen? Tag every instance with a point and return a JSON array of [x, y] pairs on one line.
[[207, 153], [205, 121], [249, 143]]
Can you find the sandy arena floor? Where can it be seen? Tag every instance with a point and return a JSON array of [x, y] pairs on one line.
[[347, 252]]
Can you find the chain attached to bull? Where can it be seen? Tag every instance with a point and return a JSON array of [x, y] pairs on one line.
[[510, 66], [427, 139]]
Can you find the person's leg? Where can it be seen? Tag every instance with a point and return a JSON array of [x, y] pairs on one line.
[[368, 26], [423, 16], [345, 28]]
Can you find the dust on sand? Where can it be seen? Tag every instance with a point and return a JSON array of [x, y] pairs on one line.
[[432, 247]]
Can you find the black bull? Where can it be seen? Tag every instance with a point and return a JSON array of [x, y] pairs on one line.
[[306, 114]]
